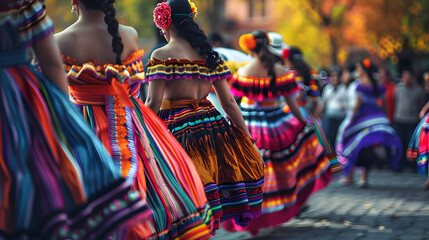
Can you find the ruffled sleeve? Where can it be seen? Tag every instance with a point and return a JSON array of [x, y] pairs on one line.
[[311, 90], [259, 88], [173, 69], [29, 17]]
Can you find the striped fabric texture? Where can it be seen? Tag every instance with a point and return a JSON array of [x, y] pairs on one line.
[[230, 167], [172, 69], [149, 157], [57, 180], [368, 126], [296, 163]]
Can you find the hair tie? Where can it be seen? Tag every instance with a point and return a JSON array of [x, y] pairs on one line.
[[247, 42]]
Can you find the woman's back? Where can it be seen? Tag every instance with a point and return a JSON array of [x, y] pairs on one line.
[[182, 51], [86, 42]]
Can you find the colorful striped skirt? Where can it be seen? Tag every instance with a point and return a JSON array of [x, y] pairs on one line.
[[57, 180], [418, 148], [150, 158], [229, 165], [368, 127], [296, 163]]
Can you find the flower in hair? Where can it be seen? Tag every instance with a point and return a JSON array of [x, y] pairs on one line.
[[162, 15], [285, 53], [247, 42], [366, 63], [193, 9]]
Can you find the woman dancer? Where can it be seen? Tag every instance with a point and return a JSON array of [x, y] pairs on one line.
[[418, 148], [57, 180], [367, 130], [180, 77], [105, 84], [308, 97], [296, 165]]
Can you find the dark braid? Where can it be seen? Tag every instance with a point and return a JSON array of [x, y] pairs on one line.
[[112, 23], [371, 71], [189, 30], [266, 57]]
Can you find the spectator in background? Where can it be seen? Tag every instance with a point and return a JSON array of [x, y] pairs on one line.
[[333, 106], [409, 100], [347, 78], [386, 78]]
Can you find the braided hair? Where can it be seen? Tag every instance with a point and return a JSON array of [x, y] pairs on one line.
[[189, 30], [112, 23], [295, 58]]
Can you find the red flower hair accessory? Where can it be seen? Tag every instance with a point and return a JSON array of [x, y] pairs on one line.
[[366, 63], [162, 15], [285, 53]]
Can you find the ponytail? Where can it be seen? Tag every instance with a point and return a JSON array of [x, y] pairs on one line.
[[257, 42], [269, 61]]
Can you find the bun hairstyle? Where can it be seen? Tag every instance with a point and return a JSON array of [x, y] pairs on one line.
[[112, 23], [371, 71], [182, 18], [296, 59], [257, 42]]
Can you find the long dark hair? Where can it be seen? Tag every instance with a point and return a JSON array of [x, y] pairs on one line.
[[266, 56], [189, 30], [298, 63], [371, 71], [112, 23]]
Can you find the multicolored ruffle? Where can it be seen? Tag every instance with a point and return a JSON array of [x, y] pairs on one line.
[[259, 88], [29, 17], [173, 69]]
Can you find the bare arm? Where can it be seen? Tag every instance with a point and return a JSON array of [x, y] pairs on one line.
[[293, 105], [229, 104], [424, 110], [50, 61], [357, 105], [155, 94]]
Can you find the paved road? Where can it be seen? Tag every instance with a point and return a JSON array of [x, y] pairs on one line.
[[395, 206]]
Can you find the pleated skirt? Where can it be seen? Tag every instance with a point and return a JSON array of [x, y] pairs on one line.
[[229, 165], [296, 163]]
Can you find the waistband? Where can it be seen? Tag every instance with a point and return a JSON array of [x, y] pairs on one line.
[[268, 103], [185, 102], [14, 57], [95, 94]]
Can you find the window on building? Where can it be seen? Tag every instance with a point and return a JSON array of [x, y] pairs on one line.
[[257, 8]]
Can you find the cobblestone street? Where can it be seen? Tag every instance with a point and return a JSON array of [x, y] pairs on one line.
[[395, 206]]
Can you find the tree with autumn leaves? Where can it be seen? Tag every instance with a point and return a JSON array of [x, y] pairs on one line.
[[325, 29], [388, 29]]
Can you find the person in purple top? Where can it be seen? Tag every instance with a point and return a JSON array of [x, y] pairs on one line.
[[368, 136]]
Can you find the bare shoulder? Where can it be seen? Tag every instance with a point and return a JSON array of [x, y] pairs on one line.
[[128, 31], [280, 70], [66, 39], [162, 53], [244, 70]]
